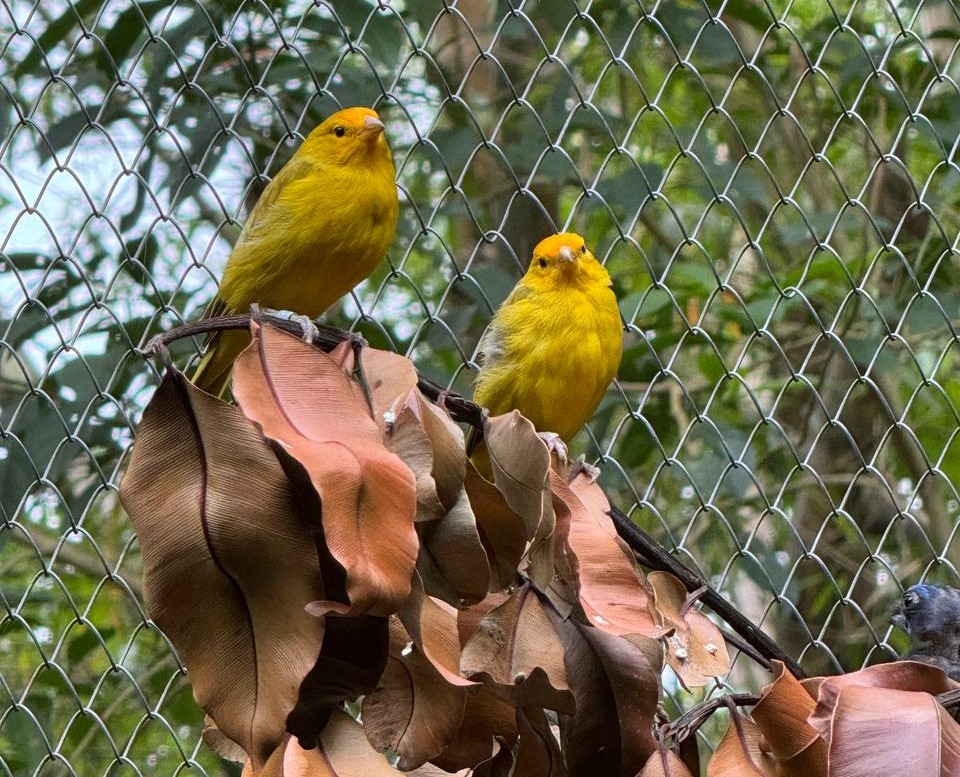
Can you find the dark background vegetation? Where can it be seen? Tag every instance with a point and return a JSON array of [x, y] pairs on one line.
[[773, 185]]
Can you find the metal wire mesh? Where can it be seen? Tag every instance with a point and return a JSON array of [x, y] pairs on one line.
[[773, 185]]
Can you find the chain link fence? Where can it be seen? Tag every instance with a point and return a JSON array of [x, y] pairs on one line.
[[773, 184]]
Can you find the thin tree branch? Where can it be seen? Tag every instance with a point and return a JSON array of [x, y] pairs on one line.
[[687, 724], [651, 553]]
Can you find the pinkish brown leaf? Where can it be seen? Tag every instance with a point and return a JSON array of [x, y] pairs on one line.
[[782, 716], [516, 652], [488, 728], [885, 717], [303, 400], [343, 752], [452, 561], [742, 752], [520, 465], [250, 644], [432, 626], [393, 387], [414, 711], [664, 763], [696, 649], [616, 685], [611, 590], [537, 750], [501, 530], [405, 436]]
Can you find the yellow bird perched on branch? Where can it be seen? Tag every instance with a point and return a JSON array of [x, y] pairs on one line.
[[555, 343], [319, 228]]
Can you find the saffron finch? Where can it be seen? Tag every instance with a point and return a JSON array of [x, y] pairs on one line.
[[319, 228], [555, 343]]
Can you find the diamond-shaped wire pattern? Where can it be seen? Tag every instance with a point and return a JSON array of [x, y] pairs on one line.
[[774, 185]]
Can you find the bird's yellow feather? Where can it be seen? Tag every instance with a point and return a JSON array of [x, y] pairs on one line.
[[319, 228], [555, 344]]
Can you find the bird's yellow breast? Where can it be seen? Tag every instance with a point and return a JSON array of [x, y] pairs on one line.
[[557, 351]]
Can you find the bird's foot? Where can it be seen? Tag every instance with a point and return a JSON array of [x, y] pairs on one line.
[[580, 466], [555, 446], [309, 331]]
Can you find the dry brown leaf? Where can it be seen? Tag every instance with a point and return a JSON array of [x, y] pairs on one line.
[[885, 717], [351, 661], [611, 590], [414, 711], [452, 561], [302, 399], [488, 723], [516, 652], [220, 743], [343, 752], [468, 619], [616, 685], [250, 644], [888, 731], [405, 436], [537, 752], [432, 626], [392, 380], [742, 752], [664, 763], [520, 465], [782, 717], [501, 530], [696, 649]]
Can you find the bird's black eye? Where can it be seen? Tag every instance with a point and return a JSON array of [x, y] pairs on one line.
[[583, 248], [542, 262], [339, 131]]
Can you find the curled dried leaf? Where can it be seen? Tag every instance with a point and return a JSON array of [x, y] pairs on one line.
[[611, 590], [616, 685], [696, 649], [517, 653], [520, 465], [742, 752], [432, 626], [488, 728], [414, 711], [782, 716], [343, 752], [251, 644], [885, 719], [393, 386], [536, 750], [453, 561], [664, 763], [502, 531], [351, 661], [303, 400]]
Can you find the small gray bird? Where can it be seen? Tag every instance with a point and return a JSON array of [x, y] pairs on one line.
[[930, 614]]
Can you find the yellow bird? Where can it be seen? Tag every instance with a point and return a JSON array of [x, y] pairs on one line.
[[555, 343], [319, 228]]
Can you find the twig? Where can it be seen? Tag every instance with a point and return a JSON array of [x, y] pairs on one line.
[[691, 720], [687, 724], [650, 552]]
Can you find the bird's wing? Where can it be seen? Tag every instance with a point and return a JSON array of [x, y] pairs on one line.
[[493, 342], [262, 219]]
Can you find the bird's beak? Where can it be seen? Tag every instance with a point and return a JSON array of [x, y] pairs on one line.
[[371, 127], [566, 254]]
